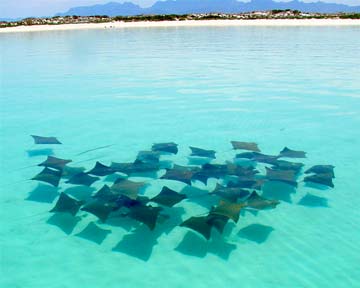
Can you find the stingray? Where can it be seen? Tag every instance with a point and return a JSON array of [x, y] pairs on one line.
[[165, 147], [217, 221], [257, 202], [99, 208], [49, 176], [258, 157], [323, 179], [199, 224], [241, 171], [148, 156], [55, 163], [198, 152], [247, 182], [286, 152], [82, 179], [228, 209], [127, 188], [322, 169], [124, 201], [67, 204], [286, 176], [210, 171], [230, 194], [180, 173], [251, 146], [106, 194], [168, 197], [45, 140], [286, 165], [145, 214], [136, 167], [101, 170]]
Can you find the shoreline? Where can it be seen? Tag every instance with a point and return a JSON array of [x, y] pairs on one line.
[[186, 23]]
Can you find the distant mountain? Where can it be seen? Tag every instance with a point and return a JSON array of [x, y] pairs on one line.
[[110, 9], [206, 6]]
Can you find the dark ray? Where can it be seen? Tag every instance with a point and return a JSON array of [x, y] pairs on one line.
[[105, 194], [99, 208], [136, 167], [228, 209], [322, 169], [210, 171], [145, 214], [241, 171], [286, 152], [45, 140], [323, 179], [217, 221], [257, 157], [230, 194], [49, 176], [55, 163], [67, 204], [286, 176], [82, 179], [124, 201], [101, 170], [257, 202], [148, 156], [168, 197], [127, 188], [251, 146], [69, 171], [199, 224], [94, 149], [181, 173], [286, 165], [198, 152], [170, 147]]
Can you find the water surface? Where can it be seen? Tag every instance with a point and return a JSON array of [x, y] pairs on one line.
[[292, 86]]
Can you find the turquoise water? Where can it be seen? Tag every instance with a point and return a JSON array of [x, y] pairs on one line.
[[296, 86]]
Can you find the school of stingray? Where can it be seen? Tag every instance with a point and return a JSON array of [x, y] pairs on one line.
[[239, 183]]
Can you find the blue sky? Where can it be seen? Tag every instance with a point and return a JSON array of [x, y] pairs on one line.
[[25, 8]]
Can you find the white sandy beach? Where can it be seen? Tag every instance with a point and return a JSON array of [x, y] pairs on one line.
[[199, 23]]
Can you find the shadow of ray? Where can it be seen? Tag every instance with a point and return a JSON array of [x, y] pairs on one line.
[[278, 191], [313, 201], [40, 152], [138, 244], [64, 221], [93, 233], [196, 246], [43, 193], [80, 192], [256, 232]]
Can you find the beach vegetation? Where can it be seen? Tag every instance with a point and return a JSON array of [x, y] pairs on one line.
[[271, 14]]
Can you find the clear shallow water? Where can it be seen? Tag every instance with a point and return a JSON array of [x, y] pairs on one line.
[[297, 87]]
